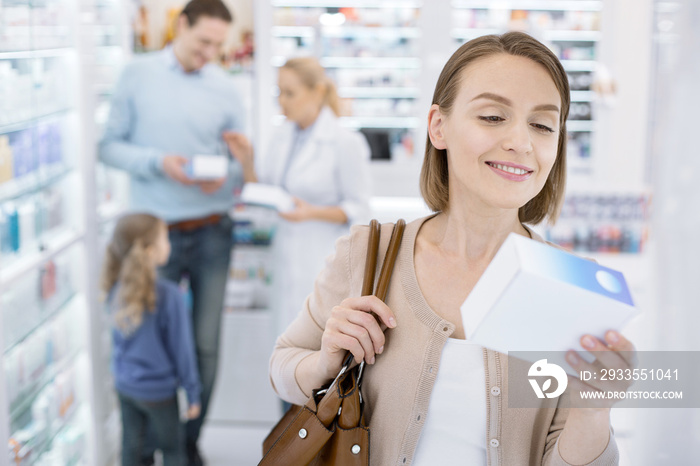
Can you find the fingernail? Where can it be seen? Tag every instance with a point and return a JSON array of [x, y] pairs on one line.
[[371, 361], [381, 350], [612, 336], [588, 342], [392, 322], [572, 358]]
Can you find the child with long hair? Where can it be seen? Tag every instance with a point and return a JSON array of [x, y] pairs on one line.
[[153, 349]]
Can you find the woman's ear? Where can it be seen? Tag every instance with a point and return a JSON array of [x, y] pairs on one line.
[[436, 126]]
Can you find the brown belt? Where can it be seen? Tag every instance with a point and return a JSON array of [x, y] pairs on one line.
[[190, 225]]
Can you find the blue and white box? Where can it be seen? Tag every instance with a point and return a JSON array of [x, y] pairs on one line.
[[534, 297]]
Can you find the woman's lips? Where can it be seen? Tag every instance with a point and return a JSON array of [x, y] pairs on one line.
[[510, 171]]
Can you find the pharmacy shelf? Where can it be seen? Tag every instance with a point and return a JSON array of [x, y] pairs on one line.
[[579, 65], [21, 405], [60, 426], [348, 32], [379, 92], [360, 62], [380, 122], [552, 36], [346, 3], [582, 96], [367, 122], [67, 303], [7, 126], [55, 244], [580, 126], [538, 5], [33, 182], [111, 210], [43, 53]]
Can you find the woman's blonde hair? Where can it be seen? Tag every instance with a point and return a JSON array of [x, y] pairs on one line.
[[312, 75], [127, 262], [434, 183]]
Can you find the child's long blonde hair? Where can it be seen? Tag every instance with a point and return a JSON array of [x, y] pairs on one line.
[[127, 262]]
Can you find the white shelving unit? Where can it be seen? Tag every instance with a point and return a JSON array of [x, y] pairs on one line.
[[46, 367]]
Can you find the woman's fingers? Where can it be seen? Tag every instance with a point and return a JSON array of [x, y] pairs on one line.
[[372, 304]]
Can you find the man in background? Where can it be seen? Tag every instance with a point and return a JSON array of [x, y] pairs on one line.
[[167, 107]]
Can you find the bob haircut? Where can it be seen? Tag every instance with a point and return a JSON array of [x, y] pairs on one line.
[[434, 184]]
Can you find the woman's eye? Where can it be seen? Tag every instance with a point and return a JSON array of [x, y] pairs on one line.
[[491, 119], [543, 128]]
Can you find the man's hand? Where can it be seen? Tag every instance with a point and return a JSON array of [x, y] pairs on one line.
[[211, 186], [173, 166]]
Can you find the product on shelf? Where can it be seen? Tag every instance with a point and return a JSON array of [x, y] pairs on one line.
[[602, 223]]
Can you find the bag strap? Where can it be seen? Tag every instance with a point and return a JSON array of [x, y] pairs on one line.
[[371, 265]]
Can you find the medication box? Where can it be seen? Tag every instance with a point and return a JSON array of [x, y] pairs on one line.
[[267, 195], [207, 167], [534, 297]]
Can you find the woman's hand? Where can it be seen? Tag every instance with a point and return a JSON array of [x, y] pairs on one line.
[[303, 211], [615, 353], [240, 147], [356, 326]]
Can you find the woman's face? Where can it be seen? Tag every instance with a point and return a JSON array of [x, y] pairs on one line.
[[501, 136], [299, 103]]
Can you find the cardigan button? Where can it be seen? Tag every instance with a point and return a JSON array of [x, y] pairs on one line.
[[494, 442], [495, 391]]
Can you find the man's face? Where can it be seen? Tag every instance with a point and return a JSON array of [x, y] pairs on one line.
[[200, 43]]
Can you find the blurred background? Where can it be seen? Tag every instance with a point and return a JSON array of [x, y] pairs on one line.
[[633, 200]]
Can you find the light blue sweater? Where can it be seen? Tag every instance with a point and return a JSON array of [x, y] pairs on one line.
[[158, 109]]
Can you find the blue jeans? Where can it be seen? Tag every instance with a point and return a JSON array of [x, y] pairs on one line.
[[204, 255], [162, 420]]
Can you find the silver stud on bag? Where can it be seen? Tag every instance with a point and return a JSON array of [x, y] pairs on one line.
[[303, 433], [355, 449]]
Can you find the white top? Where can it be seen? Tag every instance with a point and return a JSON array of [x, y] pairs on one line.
[[455, 426]]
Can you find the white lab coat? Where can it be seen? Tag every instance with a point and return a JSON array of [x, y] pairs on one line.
[[331, 169]]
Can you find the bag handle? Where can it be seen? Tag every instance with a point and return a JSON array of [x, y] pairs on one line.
[[371, 265]]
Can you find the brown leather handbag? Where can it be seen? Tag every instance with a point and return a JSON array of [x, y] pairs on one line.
[[331, 429]]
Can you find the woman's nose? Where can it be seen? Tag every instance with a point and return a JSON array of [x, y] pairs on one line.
[[518, 139]]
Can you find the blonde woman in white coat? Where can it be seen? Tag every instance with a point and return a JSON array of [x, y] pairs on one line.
[[324, 166]]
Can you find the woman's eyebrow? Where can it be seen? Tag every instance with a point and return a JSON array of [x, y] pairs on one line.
[[506, 101]]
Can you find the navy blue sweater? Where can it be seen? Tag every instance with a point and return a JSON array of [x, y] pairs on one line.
[[159, 355]]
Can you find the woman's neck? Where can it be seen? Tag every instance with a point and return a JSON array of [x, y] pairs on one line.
[[472, 237]]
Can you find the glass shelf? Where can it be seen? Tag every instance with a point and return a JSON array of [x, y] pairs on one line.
[[552, 36], [66, 303], [57, 242], [361, 62], [346, 3], [379, 92], [42, 53], [25, 400], [538, 5], [18, 125], [59, 427], [33, 182], [367, 122]]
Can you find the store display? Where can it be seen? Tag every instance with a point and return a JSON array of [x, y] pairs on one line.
[[600, 223], [370, 52]]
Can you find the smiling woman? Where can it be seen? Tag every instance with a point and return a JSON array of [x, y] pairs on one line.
[[495, 160]]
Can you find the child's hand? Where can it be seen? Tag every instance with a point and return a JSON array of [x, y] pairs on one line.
[[193, 411]]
